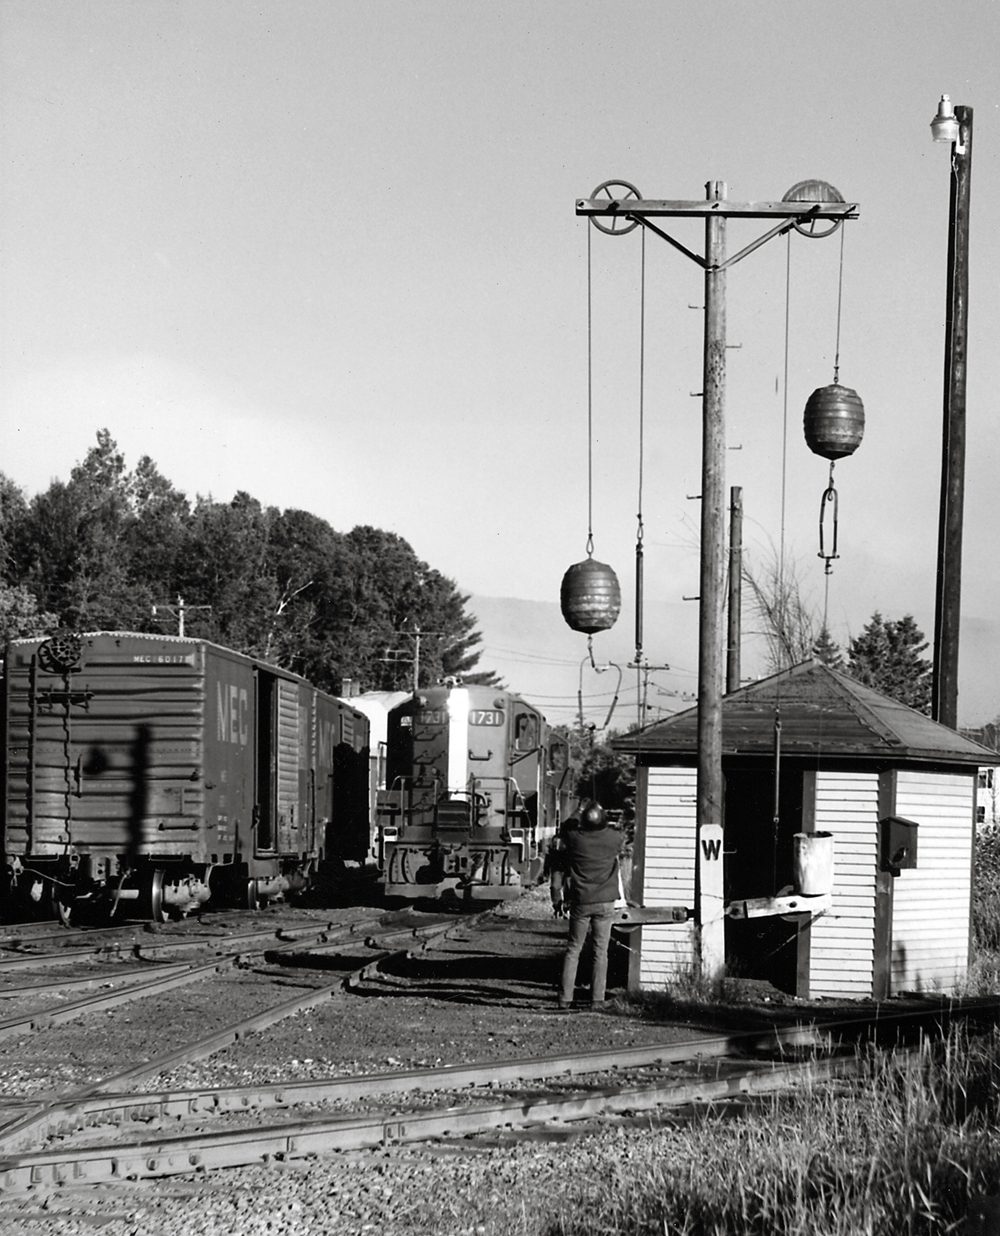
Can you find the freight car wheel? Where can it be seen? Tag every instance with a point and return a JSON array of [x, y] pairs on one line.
[[62, 907], [253, 899], [156, 910]]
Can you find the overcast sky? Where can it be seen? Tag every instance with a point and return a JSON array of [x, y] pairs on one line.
[[326, 252]]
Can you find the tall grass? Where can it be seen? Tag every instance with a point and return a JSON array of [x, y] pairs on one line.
[[986, 891], [908, 1147]]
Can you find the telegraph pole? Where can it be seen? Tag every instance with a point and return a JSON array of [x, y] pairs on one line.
[[708, 882], [178, 612]]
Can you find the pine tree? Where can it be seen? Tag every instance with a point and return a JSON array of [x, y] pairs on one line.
[[824, 649], [886, 656]]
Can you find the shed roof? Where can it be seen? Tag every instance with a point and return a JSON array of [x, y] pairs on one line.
[[823, 713]]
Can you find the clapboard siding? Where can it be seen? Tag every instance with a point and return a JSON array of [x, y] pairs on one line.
[[930, 907], [842, 949], [668, 872]]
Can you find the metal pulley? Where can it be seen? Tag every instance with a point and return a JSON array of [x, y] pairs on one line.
[[590, 597], [834, 421]]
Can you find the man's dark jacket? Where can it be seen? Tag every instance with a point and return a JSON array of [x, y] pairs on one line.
[[588, 864]]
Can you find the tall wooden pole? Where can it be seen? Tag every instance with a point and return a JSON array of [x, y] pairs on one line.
[[735, 611], [711, 920], [948, 600]]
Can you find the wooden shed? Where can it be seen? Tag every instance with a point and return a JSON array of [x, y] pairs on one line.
[[812, 751]]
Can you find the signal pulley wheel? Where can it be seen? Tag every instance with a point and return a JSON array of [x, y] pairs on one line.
[[816, 229], [616, 191]]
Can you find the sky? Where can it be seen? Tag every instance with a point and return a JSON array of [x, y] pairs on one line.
[[327, 253]]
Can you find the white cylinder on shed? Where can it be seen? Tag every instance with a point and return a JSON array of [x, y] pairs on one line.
[[812, 859]]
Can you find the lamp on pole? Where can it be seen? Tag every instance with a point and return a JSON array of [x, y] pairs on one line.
[[952, 124], [619, 210]]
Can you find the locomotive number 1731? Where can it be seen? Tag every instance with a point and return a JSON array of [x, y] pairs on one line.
[[477, 716]]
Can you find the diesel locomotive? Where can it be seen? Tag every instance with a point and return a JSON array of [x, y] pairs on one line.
[[474, 786], [151, 774]]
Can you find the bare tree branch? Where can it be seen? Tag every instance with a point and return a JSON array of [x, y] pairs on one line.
[[789, 622]]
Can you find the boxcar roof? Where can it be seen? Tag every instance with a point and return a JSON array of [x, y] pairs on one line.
[[823, 713], [157, 638]]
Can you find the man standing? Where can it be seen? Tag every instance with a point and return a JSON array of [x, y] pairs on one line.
[[586, 877]]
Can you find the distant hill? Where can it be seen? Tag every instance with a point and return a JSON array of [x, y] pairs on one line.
[[529, 645]]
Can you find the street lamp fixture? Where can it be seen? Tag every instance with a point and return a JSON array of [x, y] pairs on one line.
[[944, 126]]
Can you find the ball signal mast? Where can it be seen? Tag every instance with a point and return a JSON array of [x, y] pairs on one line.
[[814, 209]]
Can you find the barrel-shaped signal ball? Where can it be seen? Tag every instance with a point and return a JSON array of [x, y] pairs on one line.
[[834, 421], [590, 597]]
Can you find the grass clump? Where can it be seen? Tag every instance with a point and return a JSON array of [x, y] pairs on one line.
[[910, 1146], [986, 892]]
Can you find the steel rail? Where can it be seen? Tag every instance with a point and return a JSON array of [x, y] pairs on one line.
[[143, 948], [68, 957], [412, 931], [78, 1111], [166, 979], [235, 1148], [286, 939], [88, 980]]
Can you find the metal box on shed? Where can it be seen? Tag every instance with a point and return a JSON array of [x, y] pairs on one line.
[[897, 844]]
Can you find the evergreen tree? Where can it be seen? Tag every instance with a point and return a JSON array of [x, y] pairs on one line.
[[824, 649], [886, 656], [224, 572], [13, 508], [72, 549], [100, 549]]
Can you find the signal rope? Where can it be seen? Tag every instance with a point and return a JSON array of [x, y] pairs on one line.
[[840, 301], [590, 399], [639, 563], [780, 598], [830, 497]]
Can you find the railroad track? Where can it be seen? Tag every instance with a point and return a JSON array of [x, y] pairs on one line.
[[576, 1088], [382, 936], [114, 1129]]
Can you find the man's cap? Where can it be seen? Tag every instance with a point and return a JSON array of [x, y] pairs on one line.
[[593, 817]]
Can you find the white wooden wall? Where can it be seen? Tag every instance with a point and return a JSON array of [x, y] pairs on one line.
[[842, 949], [930, 903], [668, 872]]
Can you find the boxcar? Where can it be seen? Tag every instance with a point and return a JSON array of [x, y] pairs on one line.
[[475, 786], [166, 772]]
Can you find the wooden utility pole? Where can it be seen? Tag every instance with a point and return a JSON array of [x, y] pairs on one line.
[[708, 885], [948, 599], [735, 611]]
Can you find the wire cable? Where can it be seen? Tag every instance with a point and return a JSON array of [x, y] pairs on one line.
[[590, 398]]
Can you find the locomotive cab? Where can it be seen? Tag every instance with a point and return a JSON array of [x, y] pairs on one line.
[[466, 806]]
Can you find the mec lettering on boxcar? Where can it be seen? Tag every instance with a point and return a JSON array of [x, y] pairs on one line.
[[234, 706]]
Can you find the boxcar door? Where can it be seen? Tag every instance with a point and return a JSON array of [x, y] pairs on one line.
[[287, 782], [265, 807]]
